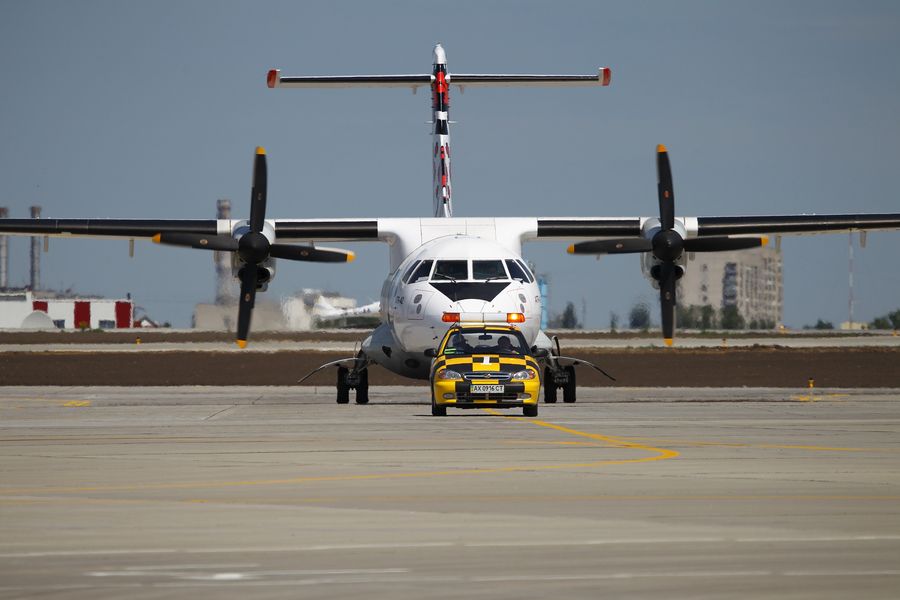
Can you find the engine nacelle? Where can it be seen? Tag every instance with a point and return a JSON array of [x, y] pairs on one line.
[[649, 263], [650, 268], [265, 272]]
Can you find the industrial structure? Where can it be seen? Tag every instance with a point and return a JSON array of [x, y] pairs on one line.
[[18, 308], [750, 280], [4, 253], [226, 286], [31, 307]]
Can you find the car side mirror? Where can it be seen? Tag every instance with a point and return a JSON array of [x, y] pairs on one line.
[[539, 352], [431, 352]]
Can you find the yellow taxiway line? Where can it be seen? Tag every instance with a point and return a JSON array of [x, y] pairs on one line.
[[657, 454]]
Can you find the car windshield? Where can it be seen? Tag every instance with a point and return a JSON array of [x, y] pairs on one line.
[[486, 341]]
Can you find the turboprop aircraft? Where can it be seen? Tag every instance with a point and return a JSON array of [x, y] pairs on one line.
[[447, 265]]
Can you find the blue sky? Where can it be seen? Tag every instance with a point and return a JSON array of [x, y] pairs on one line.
[[152, 110]]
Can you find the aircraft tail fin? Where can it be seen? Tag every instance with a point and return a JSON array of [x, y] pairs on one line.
[[439, 80]]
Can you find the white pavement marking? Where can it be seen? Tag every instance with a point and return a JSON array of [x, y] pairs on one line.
[[414, 545]]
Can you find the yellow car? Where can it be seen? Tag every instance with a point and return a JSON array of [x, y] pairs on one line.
[[479, 365]]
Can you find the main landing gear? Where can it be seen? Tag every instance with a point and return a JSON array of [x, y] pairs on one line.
[[556, 379], [557, 376], [356, 378]]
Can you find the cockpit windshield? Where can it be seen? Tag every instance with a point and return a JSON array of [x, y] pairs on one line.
[[454, 270], [488, 269], [516, 272], [421, 271], [485, 341]]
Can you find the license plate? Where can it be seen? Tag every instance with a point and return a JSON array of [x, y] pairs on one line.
[[487, 389]]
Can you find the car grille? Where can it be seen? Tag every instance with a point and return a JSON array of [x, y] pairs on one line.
[[480, 375]]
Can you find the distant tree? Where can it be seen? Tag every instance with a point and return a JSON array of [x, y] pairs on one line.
[[731, 318], [613, 321], [820, 324], [888, 321], [707, 317], [880, 323], [687, 317], [639, 317], [566, 319], [569, 320]]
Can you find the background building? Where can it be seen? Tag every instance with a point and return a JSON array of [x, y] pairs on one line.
[[18, 308], [750, 280]]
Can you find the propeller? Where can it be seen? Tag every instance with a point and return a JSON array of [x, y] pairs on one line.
[[254, 248], [667, 245]]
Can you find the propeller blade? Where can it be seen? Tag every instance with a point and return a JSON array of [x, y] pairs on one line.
[[722, 243], [222, 243], [664, 189], [248, 299], [310, 253], [258, 194], [623, 246], [668, 276]]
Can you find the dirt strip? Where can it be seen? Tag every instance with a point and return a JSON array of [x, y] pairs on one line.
[[715, 367]]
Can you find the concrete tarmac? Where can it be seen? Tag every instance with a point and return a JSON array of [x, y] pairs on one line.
[[264, 492], [582, 341]]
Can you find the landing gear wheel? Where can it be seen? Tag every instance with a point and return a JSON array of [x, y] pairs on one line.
[[569, 387], [362, 388], [549, 387], [530, 410], [437, 411], [343, 390]]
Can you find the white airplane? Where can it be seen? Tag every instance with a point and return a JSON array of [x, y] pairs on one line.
[[324, 311], [445, 266]]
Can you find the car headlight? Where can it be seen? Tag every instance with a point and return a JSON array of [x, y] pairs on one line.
[[523, 375], [448, 374]]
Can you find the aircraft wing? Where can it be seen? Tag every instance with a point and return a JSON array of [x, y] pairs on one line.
[[668, 237], [699, 227], [796, 224], [106, 228], [285, 229]]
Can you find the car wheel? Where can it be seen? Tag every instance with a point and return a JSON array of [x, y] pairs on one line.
[[530, 410], [569, 387], [343, 390], [549, 387], [437, 411]]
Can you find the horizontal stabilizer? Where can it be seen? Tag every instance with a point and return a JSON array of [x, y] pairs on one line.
[[275, 79], [602, 77]]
